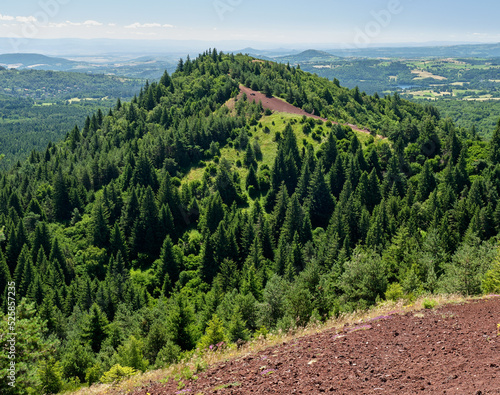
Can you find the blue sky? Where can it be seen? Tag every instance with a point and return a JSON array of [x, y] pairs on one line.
[[355, 22]]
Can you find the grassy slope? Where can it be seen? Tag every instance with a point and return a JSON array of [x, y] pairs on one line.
[[268, 145]]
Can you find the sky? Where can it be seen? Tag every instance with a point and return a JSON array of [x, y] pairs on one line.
[[354, 23]]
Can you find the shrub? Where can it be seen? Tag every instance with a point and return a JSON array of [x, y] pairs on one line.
[[394, 292], [117, 373], [93, 373], [214, 334], [491, 282], [168, 355], [50, 374], [130, 354], [429, 304]]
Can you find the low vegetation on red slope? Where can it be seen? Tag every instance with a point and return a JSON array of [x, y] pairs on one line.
[[278, 105], [454, 349]]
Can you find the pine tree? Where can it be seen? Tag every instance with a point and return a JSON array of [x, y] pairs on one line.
[[427, 182], [157, 339], [251, 179], [209, 266], [495, 145], [146, 234], [117, 241], [237, 330], [337, 177], [169, 262], [99, 231], [130, 213], [330, 152], [165, 80], [320, 203], [374, 194], [279, 213], [96, 329], [214, 213], [304, 182], [144, 173], [13, 249], [5, 279], [294, 260], [226, 187], [180, 322], [57, 257], [214, 336], [249, 157], [293, 219]]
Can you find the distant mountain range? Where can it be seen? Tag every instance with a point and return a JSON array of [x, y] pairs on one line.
[[447, 51], [146, 67], [149, 62]]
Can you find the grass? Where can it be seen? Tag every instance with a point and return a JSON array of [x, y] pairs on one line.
[[358, 320], [276, 122], [224, 386], [429, 304]]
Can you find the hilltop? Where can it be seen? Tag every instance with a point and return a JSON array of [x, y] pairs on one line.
[[192, 216], [310, 55]]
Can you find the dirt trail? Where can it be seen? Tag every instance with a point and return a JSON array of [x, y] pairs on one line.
[[278, 105], [452, 350]]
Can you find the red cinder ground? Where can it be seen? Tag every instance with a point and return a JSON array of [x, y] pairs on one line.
[[278, 105], [451, 350]]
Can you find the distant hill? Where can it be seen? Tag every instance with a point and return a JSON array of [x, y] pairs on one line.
[[451, 51], [310, 55], [37, 61]]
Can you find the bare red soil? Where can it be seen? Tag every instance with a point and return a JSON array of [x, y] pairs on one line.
[[451, 350], [279, 105]]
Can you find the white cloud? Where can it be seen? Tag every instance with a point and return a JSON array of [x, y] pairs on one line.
[[92, 23], [26, 19], [138, 25], [111, 24], [6, 18], [57, 25], [22, 19]]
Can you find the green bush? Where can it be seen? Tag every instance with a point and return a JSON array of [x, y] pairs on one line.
[[491, 281], [168, 355], [394, 292], [130, 354], [50, 374], [214, 335], [117, 373], [93, 373], [429, 304]]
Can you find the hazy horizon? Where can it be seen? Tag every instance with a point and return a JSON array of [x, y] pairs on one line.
[[322, 24]]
